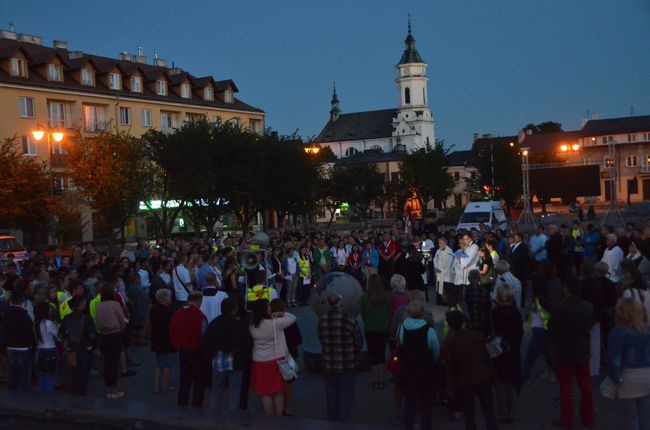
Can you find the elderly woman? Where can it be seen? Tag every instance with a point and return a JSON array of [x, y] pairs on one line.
[[397, 297], [419, 350], [160, 317], [628, 358]]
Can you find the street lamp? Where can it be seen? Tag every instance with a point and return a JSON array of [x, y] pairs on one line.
[[570, 148], [52, 134], [312, 150]]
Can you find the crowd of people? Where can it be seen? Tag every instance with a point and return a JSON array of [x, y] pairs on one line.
[[225, 322]]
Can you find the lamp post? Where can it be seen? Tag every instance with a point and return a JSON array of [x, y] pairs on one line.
[[312, 150], [613, 217], [526, 219], [51, 134]]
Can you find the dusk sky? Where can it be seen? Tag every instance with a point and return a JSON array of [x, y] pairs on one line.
[[493, 66]]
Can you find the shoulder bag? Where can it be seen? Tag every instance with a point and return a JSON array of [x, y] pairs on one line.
[[287, 365]]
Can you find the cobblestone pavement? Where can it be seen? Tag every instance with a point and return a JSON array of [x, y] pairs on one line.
[[536, 408]]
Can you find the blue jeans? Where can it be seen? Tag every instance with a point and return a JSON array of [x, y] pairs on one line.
[[231, 378], [339, 390], [46, 380], [635, 413], [20, 368], [540, 343]]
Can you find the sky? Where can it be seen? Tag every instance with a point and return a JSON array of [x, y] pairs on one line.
[[493, 66]]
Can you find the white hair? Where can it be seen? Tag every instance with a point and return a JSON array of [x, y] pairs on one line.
[[398, 283], [502, 266]]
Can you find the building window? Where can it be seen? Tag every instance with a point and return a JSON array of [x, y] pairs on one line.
[[146, 117], [607, 139], [54, 72], [228, 96], [29, 146], [407, 95], [56, 114], [631, 161], [86, 77], [168, 121], [208, 94], [18, 67], [26, 107], [125, 116], [185, 91], [646, 137], [457, 176], [631, 137], [253, 125], [136, 84], [161, 88], [424, 96], [94, 118], [350, 152], [216, 121], [114, 81]]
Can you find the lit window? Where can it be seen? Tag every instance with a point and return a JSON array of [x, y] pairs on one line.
[[253, 125], [26, 107], [185, 91], [146, 117], [161, 88], [94, 118], [114, 81], [228, 96], [54, 72], [56, 114], [136, 84], [86, 77], [207, 93], [350, 151], [125, 116], [18, 67], [29, 146]]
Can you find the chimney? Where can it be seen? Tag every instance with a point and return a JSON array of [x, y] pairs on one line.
[[5, 34], [140, 58], [159, 62], [124, 55], [75, 54], [174, 70], [475, 136], [60, 44]]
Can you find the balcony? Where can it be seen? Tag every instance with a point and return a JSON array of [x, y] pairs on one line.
[[59, 161]]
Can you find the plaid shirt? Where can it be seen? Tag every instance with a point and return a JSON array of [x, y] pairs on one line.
[[478, 304], [341, 339]]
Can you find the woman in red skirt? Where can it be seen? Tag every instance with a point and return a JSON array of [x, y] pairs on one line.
[[266, 380]]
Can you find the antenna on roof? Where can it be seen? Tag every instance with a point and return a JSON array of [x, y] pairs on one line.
[[173, 65], [155, 54], [140, 50], [11, 26]]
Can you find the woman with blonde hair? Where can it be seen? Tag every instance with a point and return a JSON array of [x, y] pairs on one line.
[[628, 357]]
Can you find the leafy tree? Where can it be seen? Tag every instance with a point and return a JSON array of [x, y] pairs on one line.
[[507, 173], [543, 127], [109, 171], [25, 189], [330, 193], [424, 172], [358, 185]]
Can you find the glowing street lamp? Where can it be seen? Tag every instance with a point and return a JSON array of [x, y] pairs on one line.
[[55, 135], [38, 135], [312, 150]]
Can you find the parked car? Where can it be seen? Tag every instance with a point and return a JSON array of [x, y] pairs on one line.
[[10, 245]]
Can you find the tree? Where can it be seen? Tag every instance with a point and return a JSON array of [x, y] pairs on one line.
[[543, 127], [507, 173], [424, 172], [109, 171], [329, 194], [358, 185], [25, 189]]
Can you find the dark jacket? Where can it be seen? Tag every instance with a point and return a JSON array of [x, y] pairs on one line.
[[507, 323], [554, 248], [570, 328], [160, 317], [230, 335], [294, 339], [520, 262], [79, 332], [412, 271], [18, 328], [467, 360], [592, 291]]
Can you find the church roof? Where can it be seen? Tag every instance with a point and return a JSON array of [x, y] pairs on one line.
[[411, 54], [376, 124]]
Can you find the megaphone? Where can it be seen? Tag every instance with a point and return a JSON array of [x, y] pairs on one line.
[[249, 260]]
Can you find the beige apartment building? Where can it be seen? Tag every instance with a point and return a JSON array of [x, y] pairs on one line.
[[59, 92]]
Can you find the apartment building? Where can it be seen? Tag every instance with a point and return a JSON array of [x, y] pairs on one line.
[[60, 92]]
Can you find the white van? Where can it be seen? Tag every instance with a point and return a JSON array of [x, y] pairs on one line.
[[488, 213]]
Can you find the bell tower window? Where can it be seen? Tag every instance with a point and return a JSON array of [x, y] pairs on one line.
[[407, 95]]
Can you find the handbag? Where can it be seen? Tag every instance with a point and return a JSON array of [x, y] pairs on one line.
[[287, 365], [609, 388]]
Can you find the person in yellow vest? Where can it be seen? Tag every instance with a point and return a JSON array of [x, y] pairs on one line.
[[76, 290], [540, 342], [304, 270], [578, 250], [259, 291]]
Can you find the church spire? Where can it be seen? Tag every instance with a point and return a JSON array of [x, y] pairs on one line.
[[411, 54], [335, 111]]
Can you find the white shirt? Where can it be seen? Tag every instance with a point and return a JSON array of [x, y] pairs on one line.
[[467, 264], [166, 277], [145, 282], [613, 258], [444, 261], [341, 256], [49, 332], [211, 305], [538, 241], [182, 282]]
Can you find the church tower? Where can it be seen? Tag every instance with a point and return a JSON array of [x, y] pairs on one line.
[[413, 124], [335, 111]]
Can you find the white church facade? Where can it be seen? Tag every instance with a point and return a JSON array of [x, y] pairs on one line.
[[408, 127]]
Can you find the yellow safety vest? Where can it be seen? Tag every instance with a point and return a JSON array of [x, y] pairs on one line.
[[305, 267], [62, 296], [258, 292], [64, 308], [543, 314], [92, 309], [575, 233]]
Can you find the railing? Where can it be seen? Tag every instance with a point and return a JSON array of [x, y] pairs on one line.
[[95, 126], [59, 160]]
